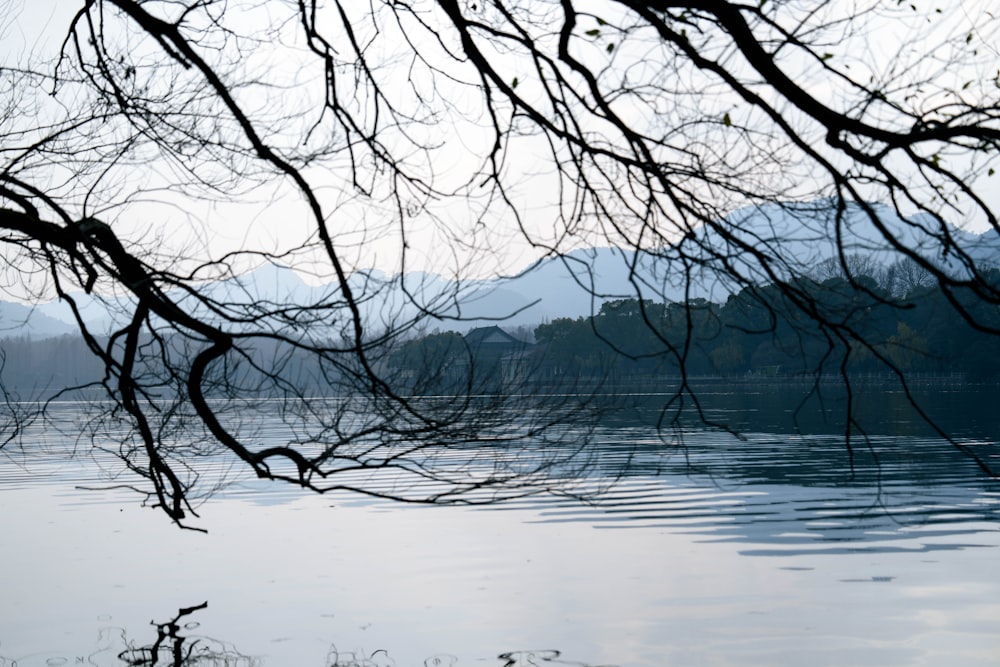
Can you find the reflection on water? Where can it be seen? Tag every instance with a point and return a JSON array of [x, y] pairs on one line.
[[791, 495], [176, 647], [178, 644], [678, 547]]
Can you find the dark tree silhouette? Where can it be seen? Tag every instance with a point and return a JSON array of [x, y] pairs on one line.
[[137, 135]]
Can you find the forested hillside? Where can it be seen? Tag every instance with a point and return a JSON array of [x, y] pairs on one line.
[[889, 321]]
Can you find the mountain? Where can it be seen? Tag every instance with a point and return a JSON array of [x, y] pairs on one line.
[[801, 236], [20, 320], [759, 245]]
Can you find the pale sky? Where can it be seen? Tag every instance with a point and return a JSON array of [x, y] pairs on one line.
[[445, 236]]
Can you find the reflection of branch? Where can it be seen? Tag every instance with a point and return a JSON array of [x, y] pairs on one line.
[[378, 658], [536, 658], [174, 650]]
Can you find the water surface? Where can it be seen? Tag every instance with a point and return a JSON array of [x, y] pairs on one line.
[[707, 549]]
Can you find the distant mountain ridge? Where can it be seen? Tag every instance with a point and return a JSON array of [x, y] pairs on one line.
[[17, 319], [574, 285], [801, 235]]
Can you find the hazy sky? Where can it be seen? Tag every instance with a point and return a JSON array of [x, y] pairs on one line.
[[444, 235]]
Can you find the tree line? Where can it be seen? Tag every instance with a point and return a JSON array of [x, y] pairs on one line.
[[870, 320], [891, 320]]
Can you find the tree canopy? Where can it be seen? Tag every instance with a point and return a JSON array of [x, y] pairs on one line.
[[153, 151]]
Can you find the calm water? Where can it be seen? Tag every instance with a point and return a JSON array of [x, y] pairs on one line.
[[708, 550]]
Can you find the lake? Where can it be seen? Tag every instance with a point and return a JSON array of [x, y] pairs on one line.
[[692, 547]]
